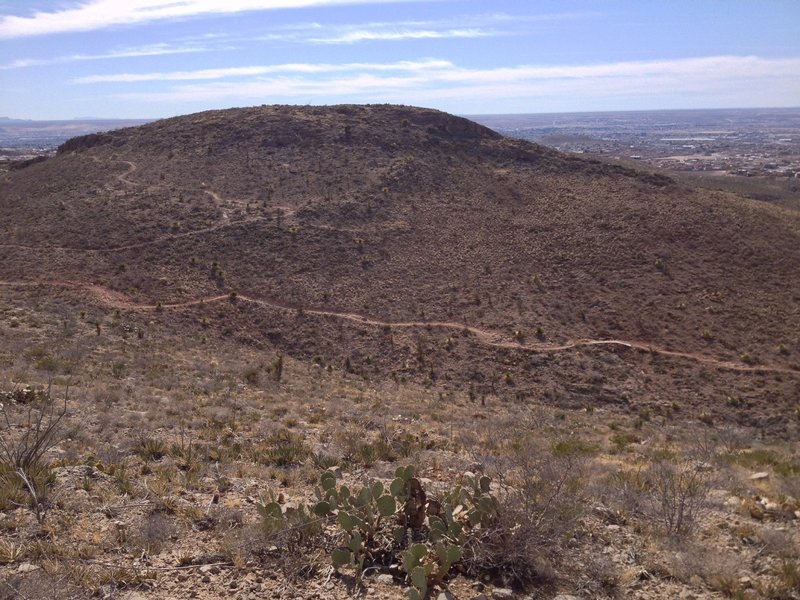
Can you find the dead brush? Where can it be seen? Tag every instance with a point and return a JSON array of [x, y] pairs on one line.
[[677, 489], [541, 501], [44, 584], [153, 532], [27, 432], [602, 577], [778, 543]]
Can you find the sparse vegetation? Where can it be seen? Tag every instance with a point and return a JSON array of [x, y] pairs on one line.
[[535, 384]]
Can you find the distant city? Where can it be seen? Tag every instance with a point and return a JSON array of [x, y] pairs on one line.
[[745, 142], [748, 142], [23, 139]]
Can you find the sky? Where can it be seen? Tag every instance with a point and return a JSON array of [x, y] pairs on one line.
[[64, 59]]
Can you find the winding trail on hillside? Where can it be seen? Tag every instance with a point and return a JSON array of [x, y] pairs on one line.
[[136, 245], [168, 237], [486, 337], [286, 212]]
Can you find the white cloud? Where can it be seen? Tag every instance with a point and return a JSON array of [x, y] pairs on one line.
[[361, 35], [99, 14], [724, 80], [149, 50], [458, 26], [305, 68]]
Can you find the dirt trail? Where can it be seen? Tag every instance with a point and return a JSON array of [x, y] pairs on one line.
[[123, 177], [135, 245], [286, 212], [486, 337]]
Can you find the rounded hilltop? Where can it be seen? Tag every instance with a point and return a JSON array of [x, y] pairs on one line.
[[238, 144], [269, 126]]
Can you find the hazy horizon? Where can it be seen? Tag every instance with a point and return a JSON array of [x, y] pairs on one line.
[[9, 118]]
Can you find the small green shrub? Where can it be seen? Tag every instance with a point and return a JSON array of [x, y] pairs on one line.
[[620, 441], [252, 375], [284, 449], [150, 448], [763, 457]]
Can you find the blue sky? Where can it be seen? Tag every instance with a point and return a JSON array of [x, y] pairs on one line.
[[157, 58]]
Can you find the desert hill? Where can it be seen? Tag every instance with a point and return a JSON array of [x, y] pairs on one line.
[[407, 243], [589, 372]]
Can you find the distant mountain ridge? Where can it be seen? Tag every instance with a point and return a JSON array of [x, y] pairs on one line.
[[22, 132]]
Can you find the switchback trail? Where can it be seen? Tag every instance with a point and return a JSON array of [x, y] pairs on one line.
[[286, 212], [135, 245], [486, 337]]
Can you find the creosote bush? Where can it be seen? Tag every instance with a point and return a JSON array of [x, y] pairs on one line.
[[678, 488], [669, 491]]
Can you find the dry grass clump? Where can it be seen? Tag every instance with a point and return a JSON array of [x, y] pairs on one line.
[[363, 442], [689, 561], [281, 448]]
